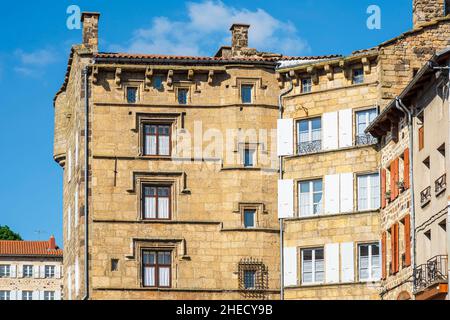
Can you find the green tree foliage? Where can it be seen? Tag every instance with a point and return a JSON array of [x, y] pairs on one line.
[[7, 234]]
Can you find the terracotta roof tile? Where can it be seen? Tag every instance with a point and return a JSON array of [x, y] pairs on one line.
[[29, 248]]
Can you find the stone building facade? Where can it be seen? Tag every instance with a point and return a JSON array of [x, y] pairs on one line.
[[31, 270], [180, 163]]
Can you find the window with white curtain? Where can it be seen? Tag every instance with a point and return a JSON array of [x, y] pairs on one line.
[[313, 266], [369, 262], [157, 140], [310, 197], [309, 137], [368, 192], [156, 203], [156, 269]]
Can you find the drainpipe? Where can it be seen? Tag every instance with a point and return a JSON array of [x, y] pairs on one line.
[[86, 182], [399, 104], [280, 116]]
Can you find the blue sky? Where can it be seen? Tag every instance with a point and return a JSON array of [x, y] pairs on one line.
[[35, 45]]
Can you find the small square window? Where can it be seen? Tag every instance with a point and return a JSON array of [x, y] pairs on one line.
[[249, 157], [358, 76], [249, 219], [183, 96], [246, 93], [249, 279], [132, 93], [157, 82], [114, 264]]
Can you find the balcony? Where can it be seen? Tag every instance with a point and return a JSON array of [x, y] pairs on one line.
[[425, 197], [440, 185], [310, 147], [365, 139], [430, 274]]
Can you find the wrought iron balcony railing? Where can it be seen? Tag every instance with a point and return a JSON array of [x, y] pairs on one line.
[[310, 147], [440, 185], [425, 197], [365, 139], [431, 273]]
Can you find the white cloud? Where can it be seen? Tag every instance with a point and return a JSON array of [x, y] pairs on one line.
[[207, 28], [34, 62]]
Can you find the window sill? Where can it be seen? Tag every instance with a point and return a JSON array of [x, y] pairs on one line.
[[329, 151], [332, 89], [320, 285], [322, 216]]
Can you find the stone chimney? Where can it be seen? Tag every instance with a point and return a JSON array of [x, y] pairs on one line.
[[428, 10], [90, 30], [52, 243], [239, 39]]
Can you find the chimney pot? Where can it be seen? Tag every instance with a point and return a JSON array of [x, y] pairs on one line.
[[90, 30]]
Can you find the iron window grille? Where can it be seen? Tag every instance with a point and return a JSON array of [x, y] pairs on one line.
[[253, 278]]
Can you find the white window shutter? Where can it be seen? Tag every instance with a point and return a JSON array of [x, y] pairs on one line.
[[347, 262], [41, 295], [285, 137], [332, 263], [330, 130], [57, 295], [345, 128], [13, 295], [42, 272], [20, 271], [346, 192], [285, 199], [332, 194], [19, 295], [36, 270], [290, 266], [35, 295], [13, 271], [58, 272]]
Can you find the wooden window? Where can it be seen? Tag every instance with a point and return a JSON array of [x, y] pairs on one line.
[[306, 85], [49, 295], [358, 76], [383, 255], [132, 94], [368, 192], [369, 262], [313, 266], [406, 167], [395, 248], [5, 271], [407, 241], [27, 295], [421, 138], [383, 188], [183, 96], [157, 269], [157, 140], [310, 198], [309, 135], [249, 219], [49, 271], [156, 202], [27, 271], [5, 295], [247, 93]]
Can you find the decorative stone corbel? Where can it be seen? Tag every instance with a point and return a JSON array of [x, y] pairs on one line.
[[313, 73], [170, 78], [280, 80], [366, 65], [95, 75], [210, 77], [329, 71], [343, 66], [148, 78], [118, 77], [191, 74]]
